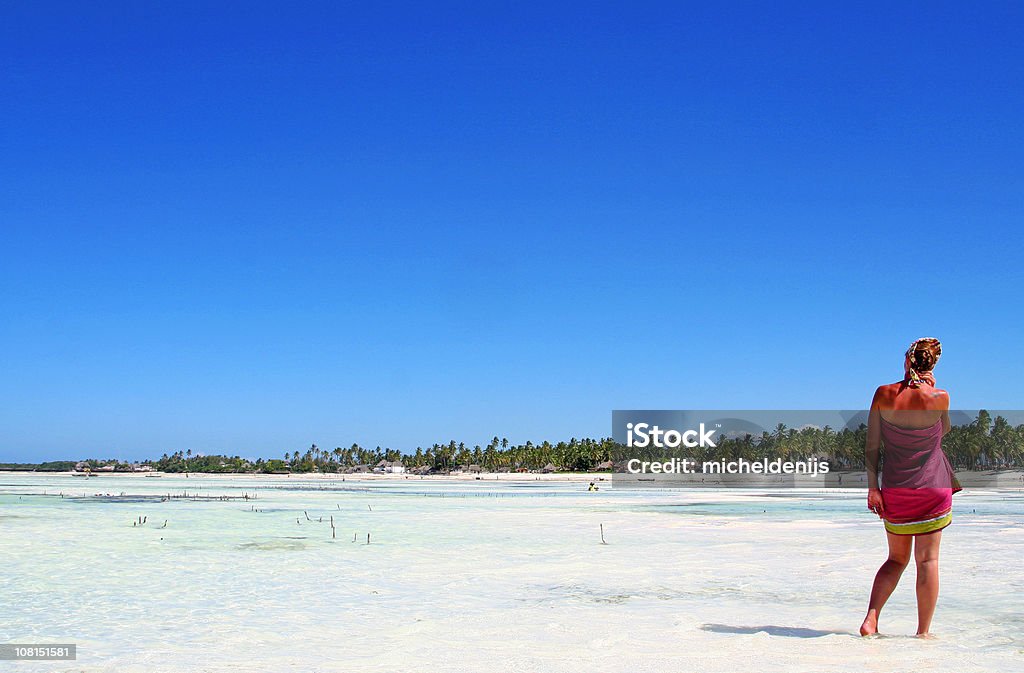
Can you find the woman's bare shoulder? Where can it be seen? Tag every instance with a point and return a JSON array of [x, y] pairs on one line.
[[888, 389]]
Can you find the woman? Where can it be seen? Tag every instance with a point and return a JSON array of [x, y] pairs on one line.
[[908, 420]]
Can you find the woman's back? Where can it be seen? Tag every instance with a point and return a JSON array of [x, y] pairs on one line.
[[913, 408]]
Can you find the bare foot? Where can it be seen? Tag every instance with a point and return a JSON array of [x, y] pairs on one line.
[[870, 625], [925, 636]]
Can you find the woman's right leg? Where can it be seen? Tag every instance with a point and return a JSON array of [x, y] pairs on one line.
[[926, 553], [886, 579]]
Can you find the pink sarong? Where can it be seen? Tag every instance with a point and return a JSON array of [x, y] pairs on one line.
[[918, 481]]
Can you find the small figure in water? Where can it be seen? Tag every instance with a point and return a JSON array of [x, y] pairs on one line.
[[593, 487]]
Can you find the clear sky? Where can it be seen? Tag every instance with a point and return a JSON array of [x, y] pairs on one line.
[[249, 227]]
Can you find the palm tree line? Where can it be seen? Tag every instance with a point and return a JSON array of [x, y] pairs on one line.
[[984, 443], [498, 455]]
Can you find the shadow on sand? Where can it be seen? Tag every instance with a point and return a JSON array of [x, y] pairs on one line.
[[786, 631]]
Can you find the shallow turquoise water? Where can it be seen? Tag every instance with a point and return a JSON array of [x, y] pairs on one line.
[[484, 575]]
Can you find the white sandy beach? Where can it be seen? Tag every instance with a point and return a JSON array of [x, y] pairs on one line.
[[484, 575]]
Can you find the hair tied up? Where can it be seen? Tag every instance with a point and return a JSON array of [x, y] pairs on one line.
[[923, 355]]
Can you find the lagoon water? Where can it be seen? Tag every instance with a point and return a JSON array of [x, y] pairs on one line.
[[486, 576]]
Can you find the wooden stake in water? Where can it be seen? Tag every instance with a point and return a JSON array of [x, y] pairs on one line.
[[332, 528], [602, 534]]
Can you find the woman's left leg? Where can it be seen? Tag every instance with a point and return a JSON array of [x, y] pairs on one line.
[[886, 579], [926, 554]]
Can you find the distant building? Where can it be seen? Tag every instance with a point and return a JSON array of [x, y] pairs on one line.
[[389, 467]]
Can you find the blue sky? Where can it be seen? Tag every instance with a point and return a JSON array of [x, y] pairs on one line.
[[403, 223]]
